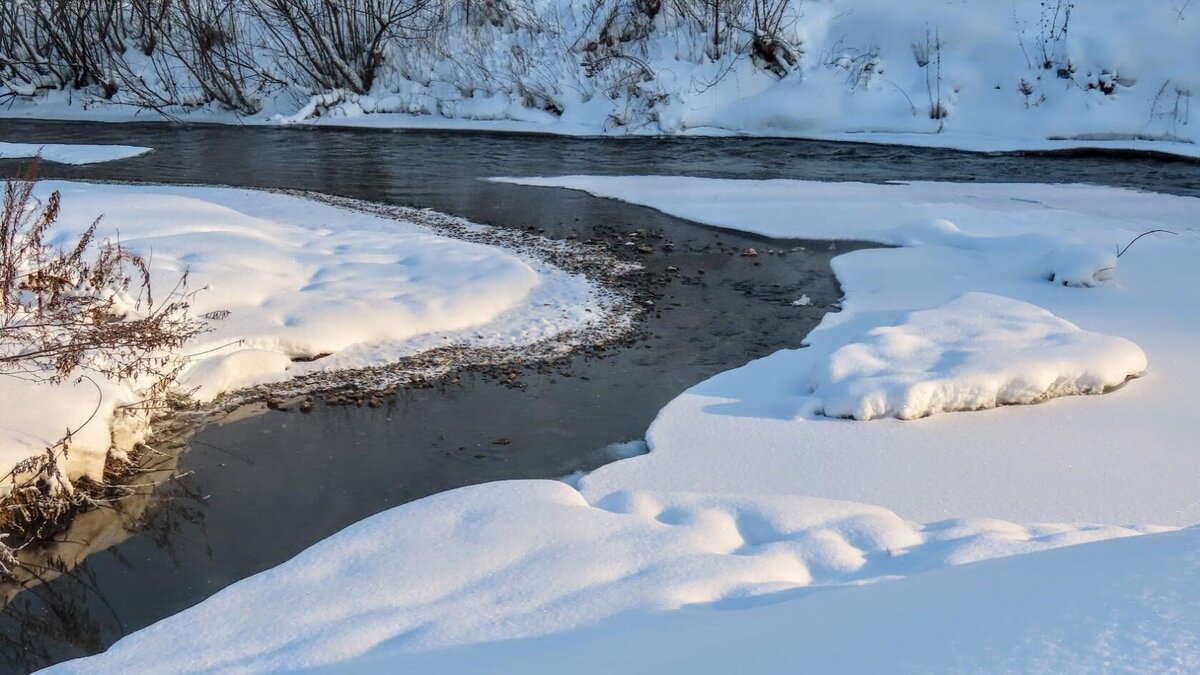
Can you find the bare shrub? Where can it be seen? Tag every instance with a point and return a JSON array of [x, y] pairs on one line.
[[610, 23], [861, 66], [334, 45], [1054, 22], [928, 55], [67, 314], [207, 39], [1172, 103], [1053, 25], [87, 307], [70, 42], [770, 48], [710, 17]]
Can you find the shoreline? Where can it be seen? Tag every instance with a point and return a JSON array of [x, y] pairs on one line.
[[1120, 145], [624, 286]]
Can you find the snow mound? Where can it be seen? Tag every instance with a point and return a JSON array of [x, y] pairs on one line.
[[70, 154], [543, 559], [976, 352], [209, 377], [533, 564], [1081, 265]]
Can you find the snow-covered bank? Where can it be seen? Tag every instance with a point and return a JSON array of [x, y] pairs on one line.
[[297, 279], [1122, 606], [1130, 456], [989, 76], [524, 559], [70, 153]]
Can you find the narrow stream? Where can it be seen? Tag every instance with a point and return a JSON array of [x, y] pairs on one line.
[[260, 489]]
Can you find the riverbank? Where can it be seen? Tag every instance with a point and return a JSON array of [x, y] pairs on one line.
[[292, 288], [1023, 76]]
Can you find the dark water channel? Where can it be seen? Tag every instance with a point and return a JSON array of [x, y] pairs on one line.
[[258, 490]]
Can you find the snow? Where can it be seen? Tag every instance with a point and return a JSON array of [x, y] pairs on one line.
[[1128, 605], [35, 417], [1081, 265], [298, 278], [868, 70], [466, 567], [70, 154], [759, 529], [975, 352]]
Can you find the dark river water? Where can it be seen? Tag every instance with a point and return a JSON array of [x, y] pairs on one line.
[[254, 492]]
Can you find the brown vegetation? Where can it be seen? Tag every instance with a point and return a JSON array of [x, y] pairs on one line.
[[73, 313]]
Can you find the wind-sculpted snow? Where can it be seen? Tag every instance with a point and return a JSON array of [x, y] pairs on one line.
[[524, 559], [69, 154], [976, 352]]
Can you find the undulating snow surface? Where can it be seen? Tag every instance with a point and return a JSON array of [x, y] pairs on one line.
[[524, 559], [298, 279], [1025, 74], [527, 576], [1126, 606], [68, 153]]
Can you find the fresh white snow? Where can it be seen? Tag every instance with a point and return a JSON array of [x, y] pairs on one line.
[[70, 153], [975, 352], [807, 540], [1127, 606], [298, 279], [524, 559]]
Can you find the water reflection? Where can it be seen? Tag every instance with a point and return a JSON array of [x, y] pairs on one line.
[[58, 605]]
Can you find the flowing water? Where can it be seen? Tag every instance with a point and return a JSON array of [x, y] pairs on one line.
[[252, 492]]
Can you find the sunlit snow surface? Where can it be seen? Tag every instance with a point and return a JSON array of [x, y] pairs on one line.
[[975, 352], [758, 509], [527, 559]]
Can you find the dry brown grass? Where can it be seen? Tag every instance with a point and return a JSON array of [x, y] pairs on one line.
[[73, 313]]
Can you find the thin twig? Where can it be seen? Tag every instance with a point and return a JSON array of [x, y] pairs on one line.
[[1122, 251]]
